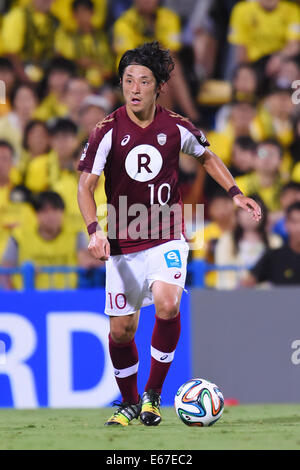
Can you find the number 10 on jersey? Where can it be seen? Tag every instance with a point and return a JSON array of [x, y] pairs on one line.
[[163, 193]]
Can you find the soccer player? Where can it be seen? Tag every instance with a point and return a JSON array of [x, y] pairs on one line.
[[138, 148]]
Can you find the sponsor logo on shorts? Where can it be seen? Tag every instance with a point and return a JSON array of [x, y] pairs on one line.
[[177, 275], [173, 259]]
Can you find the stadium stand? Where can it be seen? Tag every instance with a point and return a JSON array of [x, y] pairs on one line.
[[236, 78]]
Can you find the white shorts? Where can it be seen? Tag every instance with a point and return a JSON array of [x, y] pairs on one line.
[[129, 277]]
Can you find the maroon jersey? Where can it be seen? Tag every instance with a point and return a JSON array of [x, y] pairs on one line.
[[141, 167]]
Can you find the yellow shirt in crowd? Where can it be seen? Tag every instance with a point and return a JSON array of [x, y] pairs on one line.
[[249, 184], [130, 31], [12, 215], [62, 9], [264, 32], [61, 251], [201, 243], [93, 46], [43, 173], [67, 186], [296, 173], [50, 108], [28, 33]]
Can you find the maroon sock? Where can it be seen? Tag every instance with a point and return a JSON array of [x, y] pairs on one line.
[[124, 357], [163, 344]]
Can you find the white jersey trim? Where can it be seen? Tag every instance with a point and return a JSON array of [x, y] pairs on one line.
[[189, 143], [103, 150]]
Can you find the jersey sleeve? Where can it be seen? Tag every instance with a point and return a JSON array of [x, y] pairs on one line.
[[193, 140], [96, 151]]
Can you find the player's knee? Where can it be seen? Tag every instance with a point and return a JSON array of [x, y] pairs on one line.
[[122, 333], [168, 308]]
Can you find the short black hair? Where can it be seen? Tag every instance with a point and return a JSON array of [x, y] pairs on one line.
[[5, 143], [246, 143], [243, 65], [63, 125], [219, 193], [293, 207], [88, 4], [290, 185], [48, 198], [271, 141], [6, 64], [61, 64], [150, 55], [236, 102]]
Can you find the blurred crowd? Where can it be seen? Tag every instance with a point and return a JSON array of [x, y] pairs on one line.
[[237, 77]]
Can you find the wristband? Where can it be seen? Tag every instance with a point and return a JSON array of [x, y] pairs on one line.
[[91, 228], [234, 191]]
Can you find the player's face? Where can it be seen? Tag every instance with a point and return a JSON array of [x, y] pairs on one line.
[[139, 88]]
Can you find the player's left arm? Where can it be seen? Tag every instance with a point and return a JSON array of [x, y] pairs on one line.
[[220, 173]]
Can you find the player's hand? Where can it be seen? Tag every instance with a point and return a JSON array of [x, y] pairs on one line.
[[99, 246], [248, 205]]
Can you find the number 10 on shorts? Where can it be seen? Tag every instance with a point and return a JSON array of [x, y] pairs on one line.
[[117, 300]]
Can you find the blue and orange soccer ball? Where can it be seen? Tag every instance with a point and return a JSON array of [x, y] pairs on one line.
[[199, 402]]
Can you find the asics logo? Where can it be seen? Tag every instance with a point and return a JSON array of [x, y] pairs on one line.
[[162, 358], [125, 140], [177, 275], [117, 372]]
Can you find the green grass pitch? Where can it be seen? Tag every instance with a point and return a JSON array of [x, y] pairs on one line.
[[241, 427]]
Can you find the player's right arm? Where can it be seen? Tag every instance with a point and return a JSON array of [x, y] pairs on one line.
[[91, 165], [98, 244]]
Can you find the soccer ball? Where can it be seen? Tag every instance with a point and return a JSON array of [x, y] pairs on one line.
[[199, 402]]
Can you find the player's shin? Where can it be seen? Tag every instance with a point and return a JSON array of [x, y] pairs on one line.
[[124, 357], [163, 344]]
